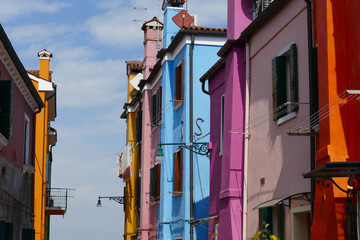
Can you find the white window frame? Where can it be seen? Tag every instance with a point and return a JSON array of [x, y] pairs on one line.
[[26, 139], [222, 117], [290, 115], [298, 210]]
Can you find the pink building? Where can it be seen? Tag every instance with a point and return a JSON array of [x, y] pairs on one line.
[[278, 83], [19, 103], [151, 93], [226, 86], [256, 167]]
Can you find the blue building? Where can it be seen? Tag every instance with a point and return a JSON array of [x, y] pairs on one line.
[[182, 113]]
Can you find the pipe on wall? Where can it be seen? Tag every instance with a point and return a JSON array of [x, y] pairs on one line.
[[246, 142], [312, 97], [191, 56]]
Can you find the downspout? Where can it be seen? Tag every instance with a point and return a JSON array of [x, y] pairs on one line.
[[191, 53], [312, 98], [203, 87], [246, 136]]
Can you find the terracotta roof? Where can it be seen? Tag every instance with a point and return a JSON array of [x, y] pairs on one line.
[[135, 65], [175, 2], [204, 29], [143, 27], [36, 73]]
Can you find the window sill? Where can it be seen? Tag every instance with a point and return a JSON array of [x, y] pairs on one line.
[[286, 118], [29, 169], [3, 141], [176, 194], [178, 104], [154, 203]]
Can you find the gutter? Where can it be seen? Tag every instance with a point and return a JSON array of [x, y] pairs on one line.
[[313, 89], [246, 139], [191, 53]]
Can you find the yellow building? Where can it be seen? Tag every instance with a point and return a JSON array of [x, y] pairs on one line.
[[132, 178], [45, 138]]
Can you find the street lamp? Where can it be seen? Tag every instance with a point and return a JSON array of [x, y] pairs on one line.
[[117, 199]]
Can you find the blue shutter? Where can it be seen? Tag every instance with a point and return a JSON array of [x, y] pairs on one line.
[[6, 96], [294, 77]]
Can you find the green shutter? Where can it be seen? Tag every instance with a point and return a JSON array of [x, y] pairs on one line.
[[294, 76], [6, 99], [153, 183], [138, 192], [2, 230], [139, 126], [279, 86], [154, 110], [8, 231], [267, 218], [28, 234]]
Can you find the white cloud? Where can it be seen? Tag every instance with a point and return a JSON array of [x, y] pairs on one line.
[[116, 28], [83, 83], [16, 8]]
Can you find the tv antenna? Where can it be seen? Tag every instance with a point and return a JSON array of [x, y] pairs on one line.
[[145, 10]]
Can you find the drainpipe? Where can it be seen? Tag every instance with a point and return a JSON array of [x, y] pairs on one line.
[[247, 136], [191, 53], [313, 100]]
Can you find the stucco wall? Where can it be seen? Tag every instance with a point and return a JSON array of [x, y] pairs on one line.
[[273, 155]]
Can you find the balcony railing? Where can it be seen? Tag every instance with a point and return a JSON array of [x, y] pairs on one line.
[[57, 199]]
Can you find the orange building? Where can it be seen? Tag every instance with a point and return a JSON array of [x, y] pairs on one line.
[[337, 37], [45, 138]]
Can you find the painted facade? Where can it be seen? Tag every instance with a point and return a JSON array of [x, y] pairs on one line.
[[130, 171], [45, 139], [226, 86], [337, 36], [277, 193], [149, 200], [184, 176], [19, 104]]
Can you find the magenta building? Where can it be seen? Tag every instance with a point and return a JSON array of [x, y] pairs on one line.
[[227, 90]]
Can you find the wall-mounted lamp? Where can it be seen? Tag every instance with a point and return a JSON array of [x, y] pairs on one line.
[[195, 147], [160, 155], [117, 199]]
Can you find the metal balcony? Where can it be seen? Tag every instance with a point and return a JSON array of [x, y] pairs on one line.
[[57, 199]]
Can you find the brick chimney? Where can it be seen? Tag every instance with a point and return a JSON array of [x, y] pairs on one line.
[[152, 43]]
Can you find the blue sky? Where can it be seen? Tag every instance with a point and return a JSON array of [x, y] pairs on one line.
[[90, 41]]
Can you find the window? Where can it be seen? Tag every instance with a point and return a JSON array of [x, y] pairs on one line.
[[6, 93], [156, 108], [26, 139], [273, 219], [259, 6], [28, 234], [6, 230], [285, 85], [301, 222], [178, 169], [155, 183], [222, 124], [179, 85]]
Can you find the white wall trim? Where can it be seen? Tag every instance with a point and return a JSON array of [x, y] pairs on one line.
[[17, 79], [44, 85]]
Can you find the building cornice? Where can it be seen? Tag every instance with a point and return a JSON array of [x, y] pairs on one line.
[[18, 80]]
